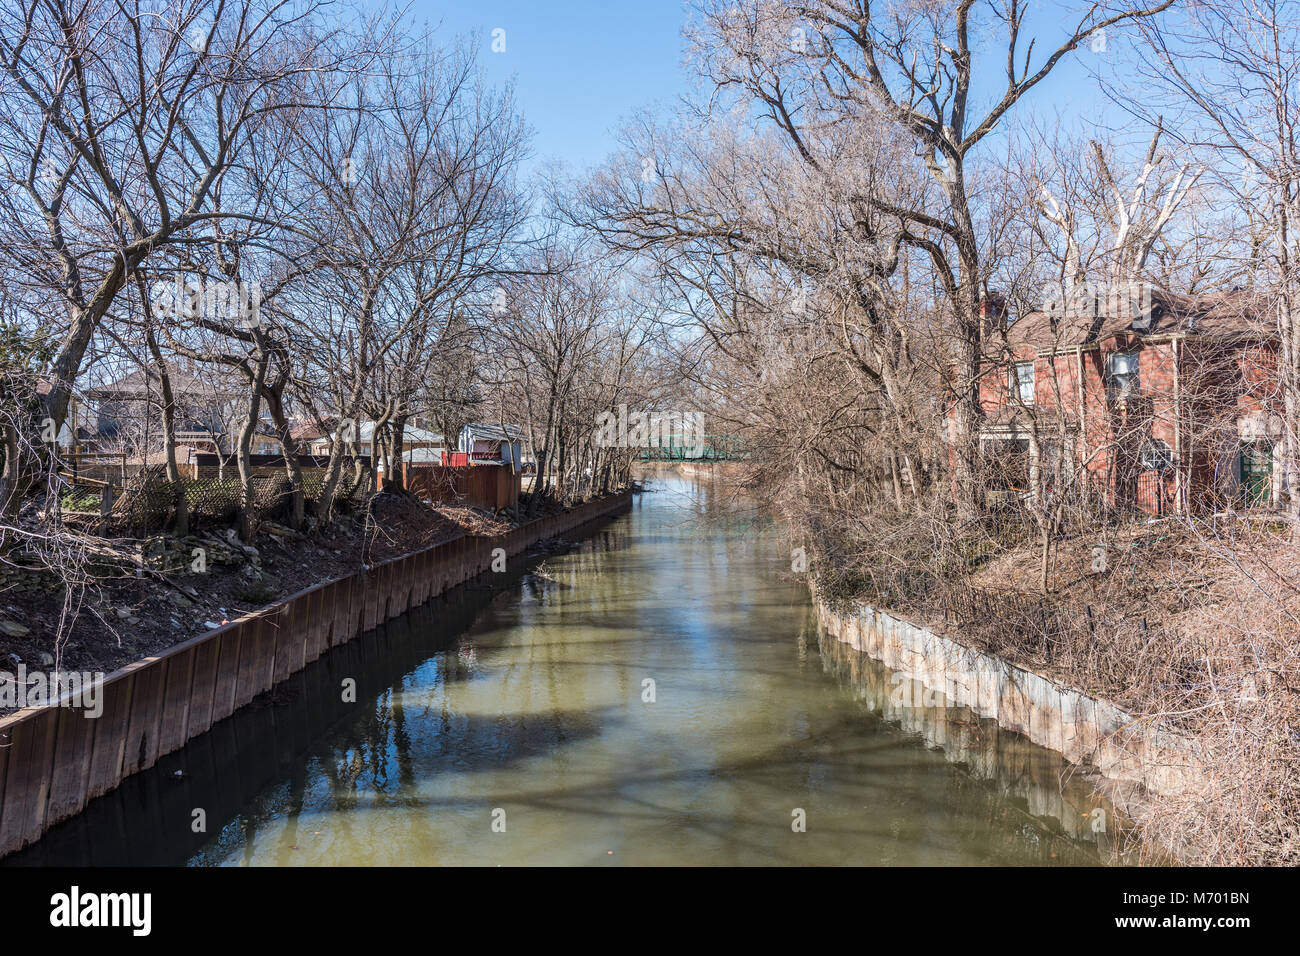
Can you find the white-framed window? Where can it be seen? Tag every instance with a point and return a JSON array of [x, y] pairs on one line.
[[1157, 455], [1122, 375], [1022, 382]]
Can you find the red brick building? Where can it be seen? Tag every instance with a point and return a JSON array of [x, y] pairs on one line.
[[1165, 403]]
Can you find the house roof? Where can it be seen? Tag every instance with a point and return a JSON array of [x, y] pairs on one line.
[[422, 455], [410, 434], [1229, 314], [483, 432], [366, 432], [144, 382], [306, 431]]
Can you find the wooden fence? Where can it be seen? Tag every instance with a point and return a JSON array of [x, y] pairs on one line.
[[479, 486], [53, 760]]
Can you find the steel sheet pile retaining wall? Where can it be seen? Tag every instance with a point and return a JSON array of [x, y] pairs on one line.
[[1086, 730], [53, 760]]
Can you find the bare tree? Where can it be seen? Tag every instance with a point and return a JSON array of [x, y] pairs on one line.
[[1228, 71], [909, 66], [413, 174], [117, 126]]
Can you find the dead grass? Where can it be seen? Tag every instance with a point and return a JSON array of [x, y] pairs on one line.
[[1193, 626]]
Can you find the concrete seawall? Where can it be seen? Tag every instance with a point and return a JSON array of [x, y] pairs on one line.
[[1043, 780], [53, 760], [1086, 730]]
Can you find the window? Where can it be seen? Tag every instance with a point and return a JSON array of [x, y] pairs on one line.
[[1122, 375], [1054, 462], [1256, 472], [1022, 382], [1157, 456]]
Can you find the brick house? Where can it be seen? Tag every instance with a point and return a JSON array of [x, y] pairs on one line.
[[1158, 401]]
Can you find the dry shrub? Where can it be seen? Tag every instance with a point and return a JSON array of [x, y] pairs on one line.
[[1193, 628], [1237, 697]]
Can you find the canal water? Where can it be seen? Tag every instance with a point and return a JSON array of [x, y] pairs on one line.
[[657, 694]]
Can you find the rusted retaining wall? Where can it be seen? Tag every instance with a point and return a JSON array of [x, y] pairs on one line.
[[1086, 730], [53, 760]]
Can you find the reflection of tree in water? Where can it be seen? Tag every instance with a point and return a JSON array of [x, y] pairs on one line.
[[1023, 793], [365, 755], [422, 772]]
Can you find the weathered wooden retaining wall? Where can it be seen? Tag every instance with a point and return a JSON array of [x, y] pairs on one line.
[[1086, 730], [53, 760]]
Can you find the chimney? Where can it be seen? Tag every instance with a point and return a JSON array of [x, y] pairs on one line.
[[993, 311]]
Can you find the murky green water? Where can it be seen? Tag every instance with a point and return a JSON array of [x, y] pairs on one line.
[[515, 724]]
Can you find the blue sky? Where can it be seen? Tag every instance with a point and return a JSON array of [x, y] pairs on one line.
[[581, 67]]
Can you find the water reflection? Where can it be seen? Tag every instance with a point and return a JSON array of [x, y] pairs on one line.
[[1032, 781], [657, 695]]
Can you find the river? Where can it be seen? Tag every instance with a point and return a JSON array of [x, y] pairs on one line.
[[658, 694]]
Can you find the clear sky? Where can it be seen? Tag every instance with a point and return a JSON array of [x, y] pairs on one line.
[[579, 66], [582, 66]]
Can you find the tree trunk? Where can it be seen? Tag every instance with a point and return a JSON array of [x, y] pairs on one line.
[[10, 482], [289, 447], [181, 523], [243, 451], [397, 477]]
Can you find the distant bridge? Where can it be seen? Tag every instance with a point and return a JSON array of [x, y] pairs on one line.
[[695, 448]]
